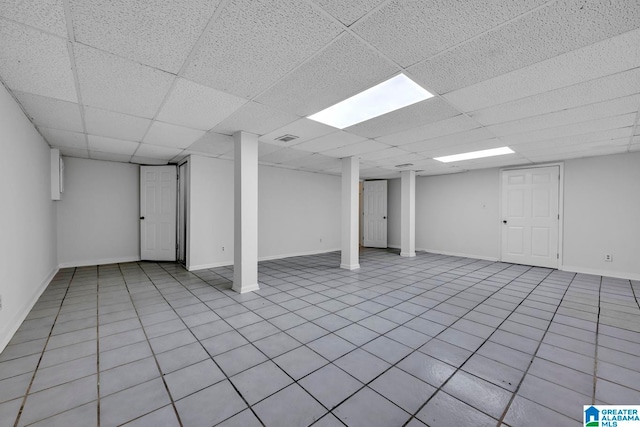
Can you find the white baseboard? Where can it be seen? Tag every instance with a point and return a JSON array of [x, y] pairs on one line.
[[350, 266], [460, 254], [101, 261], [597, 272], [264, 258], [10, 329]]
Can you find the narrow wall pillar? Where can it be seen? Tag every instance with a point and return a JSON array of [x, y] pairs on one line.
[[408, 214], [350, 218], [245, 225]]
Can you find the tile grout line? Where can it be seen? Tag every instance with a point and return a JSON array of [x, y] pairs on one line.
[[595, 356], [26, 393], [126, 285], [473, 353], [533, 356]]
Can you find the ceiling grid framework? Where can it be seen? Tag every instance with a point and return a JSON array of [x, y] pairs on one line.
[[154, 81]]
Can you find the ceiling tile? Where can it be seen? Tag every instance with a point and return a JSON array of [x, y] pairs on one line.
[[283, 155], [153, 32], [213, 144], [585, 147], [440, 150], [409, 31], [62, 138], [597, 60], [350, 11], [316, 162], [196, 106], [509, 160], [557, 28], [156, 152], [328, 142], [304, 129], [579, 153], [574, 140], [473, 135], [413, 160], [346, 67], [35, 62], [116, 84], [115, 125], [253, 43], [607, 123], [444, 127], [418, 114], [110, 145], [384, 154], [109, 157], [255, 118], [356, 149], [603, 89], [47, 15], [378, 173], [50, 112], [265, 148], [169, 135], [584, 113]]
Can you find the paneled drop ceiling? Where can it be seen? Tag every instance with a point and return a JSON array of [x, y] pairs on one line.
[[152, 81]]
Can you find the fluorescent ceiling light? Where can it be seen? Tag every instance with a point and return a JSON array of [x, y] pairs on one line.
[[475, 155], [390, 95]]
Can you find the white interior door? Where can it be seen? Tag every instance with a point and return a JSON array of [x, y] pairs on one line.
[[375, 214], [530, 216], [158, 213], [183, 185]]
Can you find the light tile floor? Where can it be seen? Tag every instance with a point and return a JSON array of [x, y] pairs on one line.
[[435, 340]]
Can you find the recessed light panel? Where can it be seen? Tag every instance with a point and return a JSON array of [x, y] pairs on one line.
[[475, 155], [390, 95]]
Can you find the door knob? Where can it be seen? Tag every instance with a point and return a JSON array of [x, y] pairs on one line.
[[141, 217], [384, 217], [504, 221]]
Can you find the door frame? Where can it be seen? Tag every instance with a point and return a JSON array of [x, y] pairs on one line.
[[560, 206], [386, 222], [142, 216]]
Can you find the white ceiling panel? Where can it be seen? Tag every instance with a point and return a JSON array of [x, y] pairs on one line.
[[50, 112], [585, 113], [254, 42], [424, 28], [444, 127], [350, 11], [439, 150], [35, 62], [255, 118], [61, 138], [213, 143], [577, 141], [111, 145], [328, 142], [356, 149], [316, 162], [413, 160], [119, 85], [109, 157], [557, 28], [378, 173], [599, 90], [304, 129], [169, 135], [598, 125], [575, 151], [265, 148], [115, 125], [345, 68], [283, 155], [47, 15], [153, 32], [384, 154], [419, 114], [156, 152], [472, 135], [196, 106], [597, 60], [495, 162]]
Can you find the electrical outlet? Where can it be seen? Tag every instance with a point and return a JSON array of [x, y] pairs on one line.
[[608, 257], [223, 249]]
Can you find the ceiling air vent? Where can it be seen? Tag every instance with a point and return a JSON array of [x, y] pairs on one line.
[[404, 165], [286, 138]]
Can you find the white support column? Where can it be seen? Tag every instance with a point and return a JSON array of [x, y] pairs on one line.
[[408, 214], [245, 253], [350, 217]]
